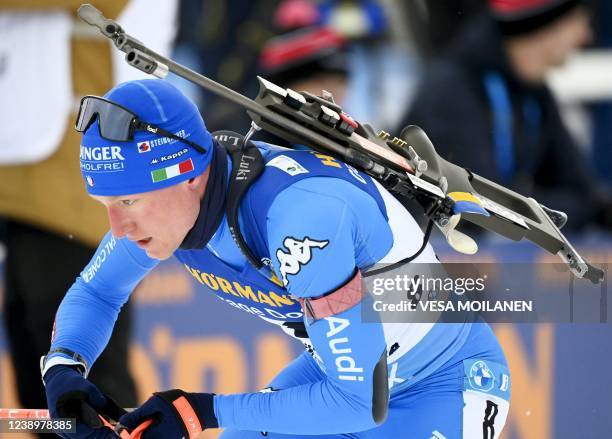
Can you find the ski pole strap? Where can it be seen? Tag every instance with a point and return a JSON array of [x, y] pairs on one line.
[[135, 434], [184, 405]]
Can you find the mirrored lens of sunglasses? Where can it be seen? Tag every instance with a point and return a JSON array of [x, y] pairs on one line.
[[114, 122], [86, 116]]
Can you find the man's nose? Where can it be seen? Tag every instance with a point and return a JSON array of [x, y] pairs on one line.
[[120, 224]]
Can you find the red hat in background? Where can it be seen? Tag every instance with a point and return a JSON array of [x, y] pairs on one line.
[[524, 16], [303, 52], [296, 14]]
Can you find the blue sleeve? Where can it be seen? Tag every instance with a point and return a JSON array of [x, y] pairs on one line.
[[316, 241], [87, 314]]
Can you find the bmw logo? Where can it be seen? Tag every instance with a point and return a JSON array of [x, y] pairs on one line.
[[481, 377]]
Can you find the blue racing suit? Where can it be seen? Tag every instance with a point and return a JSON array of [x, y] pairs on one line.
[[316, 220]]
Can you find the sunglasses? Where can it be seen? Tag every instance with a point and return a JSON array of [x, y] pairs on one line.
[[117, 123]]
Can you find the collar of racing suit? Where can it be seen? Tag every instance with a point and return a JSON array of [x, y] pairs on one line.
[[212, 207]]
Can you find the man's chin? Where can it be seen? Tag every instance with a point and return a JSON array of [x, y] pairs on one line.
[[159, 255]]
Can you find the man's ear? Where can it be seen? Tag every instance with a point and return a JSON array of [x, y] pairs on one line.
[[199, 182]]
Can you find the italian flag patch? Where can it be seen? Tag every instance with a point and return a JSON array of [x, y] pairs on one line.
[[171, 171]]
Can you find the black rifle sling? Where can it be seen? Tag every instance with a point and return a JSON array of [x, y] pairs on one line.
[[247, 166]]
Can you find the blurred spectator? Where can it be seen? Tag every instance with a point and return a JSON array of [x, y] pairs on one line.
[[602, 111], [228, 37], [370, 67], [48, 60], [222, 39], [311, 59], [485, 105], [440, 21]]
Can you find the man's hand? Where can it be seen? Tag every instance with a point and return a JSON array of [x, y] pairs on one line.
[[70, 395], [175, 414]]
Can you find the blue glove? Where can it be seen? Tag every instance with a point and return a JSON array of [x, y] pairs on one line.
[[175, 414], [70, 395]]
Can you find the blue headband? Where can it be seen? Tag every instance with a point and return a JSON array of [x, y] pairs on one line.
[[151, 161]]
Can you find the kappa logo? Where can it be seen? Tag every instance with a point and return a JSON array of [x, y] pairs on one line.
[[300, 254], [165, 158]]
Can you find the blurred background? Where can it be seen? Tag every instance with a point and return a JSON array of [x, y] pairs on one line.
[[519, 91]]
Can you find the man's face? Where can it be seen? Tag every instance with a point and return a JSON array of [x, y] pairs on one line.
[[156, 221], [533, 55], [565, 36]]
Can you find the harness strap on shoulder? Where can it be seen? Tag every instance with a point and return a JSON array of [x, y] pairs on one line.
[[247, 166]]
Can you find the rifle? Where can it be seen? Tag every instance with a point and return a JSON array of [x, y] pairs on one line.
[[407, 166]]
